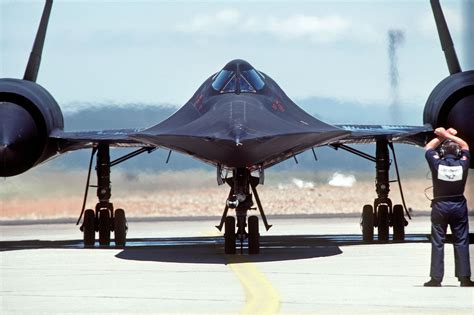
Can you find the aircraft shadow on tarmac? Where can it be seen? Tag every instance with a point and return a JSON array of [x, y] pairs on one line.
[[209, 249]]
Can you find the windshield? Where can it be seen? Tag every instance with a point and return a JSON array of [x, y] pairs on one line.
[[248, 81], [221, 79], [254, 78]]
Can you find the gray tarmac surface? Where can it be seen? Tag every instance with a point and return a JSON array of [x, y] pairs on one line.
[[306, 265]]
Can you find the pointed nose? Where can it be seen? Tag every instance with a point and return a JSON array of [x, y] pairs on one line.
[[18, 139]]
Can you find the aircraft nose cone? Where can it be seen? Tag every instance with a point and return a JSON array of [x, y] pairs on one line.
[[18, 139], [238, 64]]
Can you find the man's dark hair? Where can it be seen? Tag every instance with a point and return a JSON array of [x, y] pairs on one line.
[[449, 147]]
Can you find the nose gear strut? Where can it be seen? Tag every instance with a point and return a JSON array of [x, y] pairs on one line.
[[242, 185]]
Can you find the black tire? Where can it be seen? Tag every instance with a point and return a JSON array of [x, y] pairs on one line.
[[120, 227], [104, 227], [254, 236], [383, 226], [88, 228], [367, 223], [229, 235], [398, 221]]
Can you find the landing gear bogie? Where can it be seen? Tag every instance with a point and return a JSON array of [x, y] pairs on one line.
[[382, 219], [243, 190], [231, 237], [383, 214], [104, 219]]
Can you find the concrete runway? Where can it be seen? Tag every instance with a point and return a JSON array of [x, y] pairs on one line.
[[306, 265]]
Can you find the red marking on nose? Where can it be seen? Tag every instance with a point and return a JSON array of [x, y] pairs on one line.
[[198, 102], [277, 105]]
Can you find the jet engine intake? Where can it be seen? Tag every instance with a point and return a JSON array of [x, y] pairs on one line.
[[28, 113], [451, 104]]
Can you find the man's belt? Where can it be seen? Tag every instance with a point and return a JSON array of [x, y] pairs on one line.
[[458, 198]]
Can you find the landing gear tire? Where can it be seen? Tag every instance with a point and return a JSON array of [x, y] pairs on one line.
[[383, 226], [104, 227], [398, 223], [120, 227], [254, 236], [368, 223], [229, 235], [88, 227]]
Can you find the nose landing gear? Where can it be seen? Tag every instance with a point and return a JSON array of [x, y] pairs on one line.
[[240, 199]]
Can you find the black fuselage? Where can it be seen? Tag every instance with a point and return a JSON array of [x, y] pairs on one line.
[[230, 127]]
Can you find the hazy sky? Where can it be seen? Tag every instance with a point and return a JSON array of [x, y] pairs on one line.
[[161, 51]]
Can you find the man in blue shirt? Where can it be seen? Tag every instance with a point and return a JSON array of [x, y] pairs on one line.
[[448, 157]]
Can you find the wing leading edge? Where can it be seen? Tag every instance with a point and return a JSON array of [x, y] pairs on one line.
[[361, 134], [66, 141], [257, 152]]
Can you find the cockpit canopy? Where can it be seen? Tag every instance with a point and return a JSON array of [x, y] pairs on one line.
[[234, 79]]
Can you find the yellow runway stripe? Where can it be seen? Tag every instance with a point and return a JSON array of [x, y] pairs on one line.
[[260, 296]]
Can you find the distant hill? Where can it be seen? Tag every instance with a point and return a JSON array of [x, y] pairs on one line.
[[109, 116], [336, 111]]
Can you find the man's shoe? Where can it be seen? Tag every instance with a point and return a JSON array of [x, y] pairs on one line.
[[466, 282], [433, 283]]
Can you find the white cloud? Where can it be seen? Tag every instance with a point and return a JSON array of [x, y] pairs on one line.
[[301, 26], [298, 26], [211, 24]]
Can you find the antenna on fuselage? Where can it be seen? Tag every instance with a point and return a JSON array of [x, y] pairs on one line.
[[32, 68], [445, 38]]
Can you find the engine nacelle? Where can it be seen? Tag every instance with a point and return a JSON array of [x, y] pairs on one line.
[[451, 104], [28, 114]]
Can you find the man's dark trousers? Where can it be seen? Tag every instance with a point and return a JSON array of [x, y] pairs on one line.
[[454, 214]]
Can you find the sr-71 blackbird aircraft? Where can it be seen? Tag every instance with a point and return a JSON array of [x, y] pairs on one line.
[[240, 121]]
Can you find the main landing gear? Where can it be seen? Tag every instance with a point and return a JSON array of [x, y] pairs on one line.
[[383, 214], [242, 185], [104, 218]]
